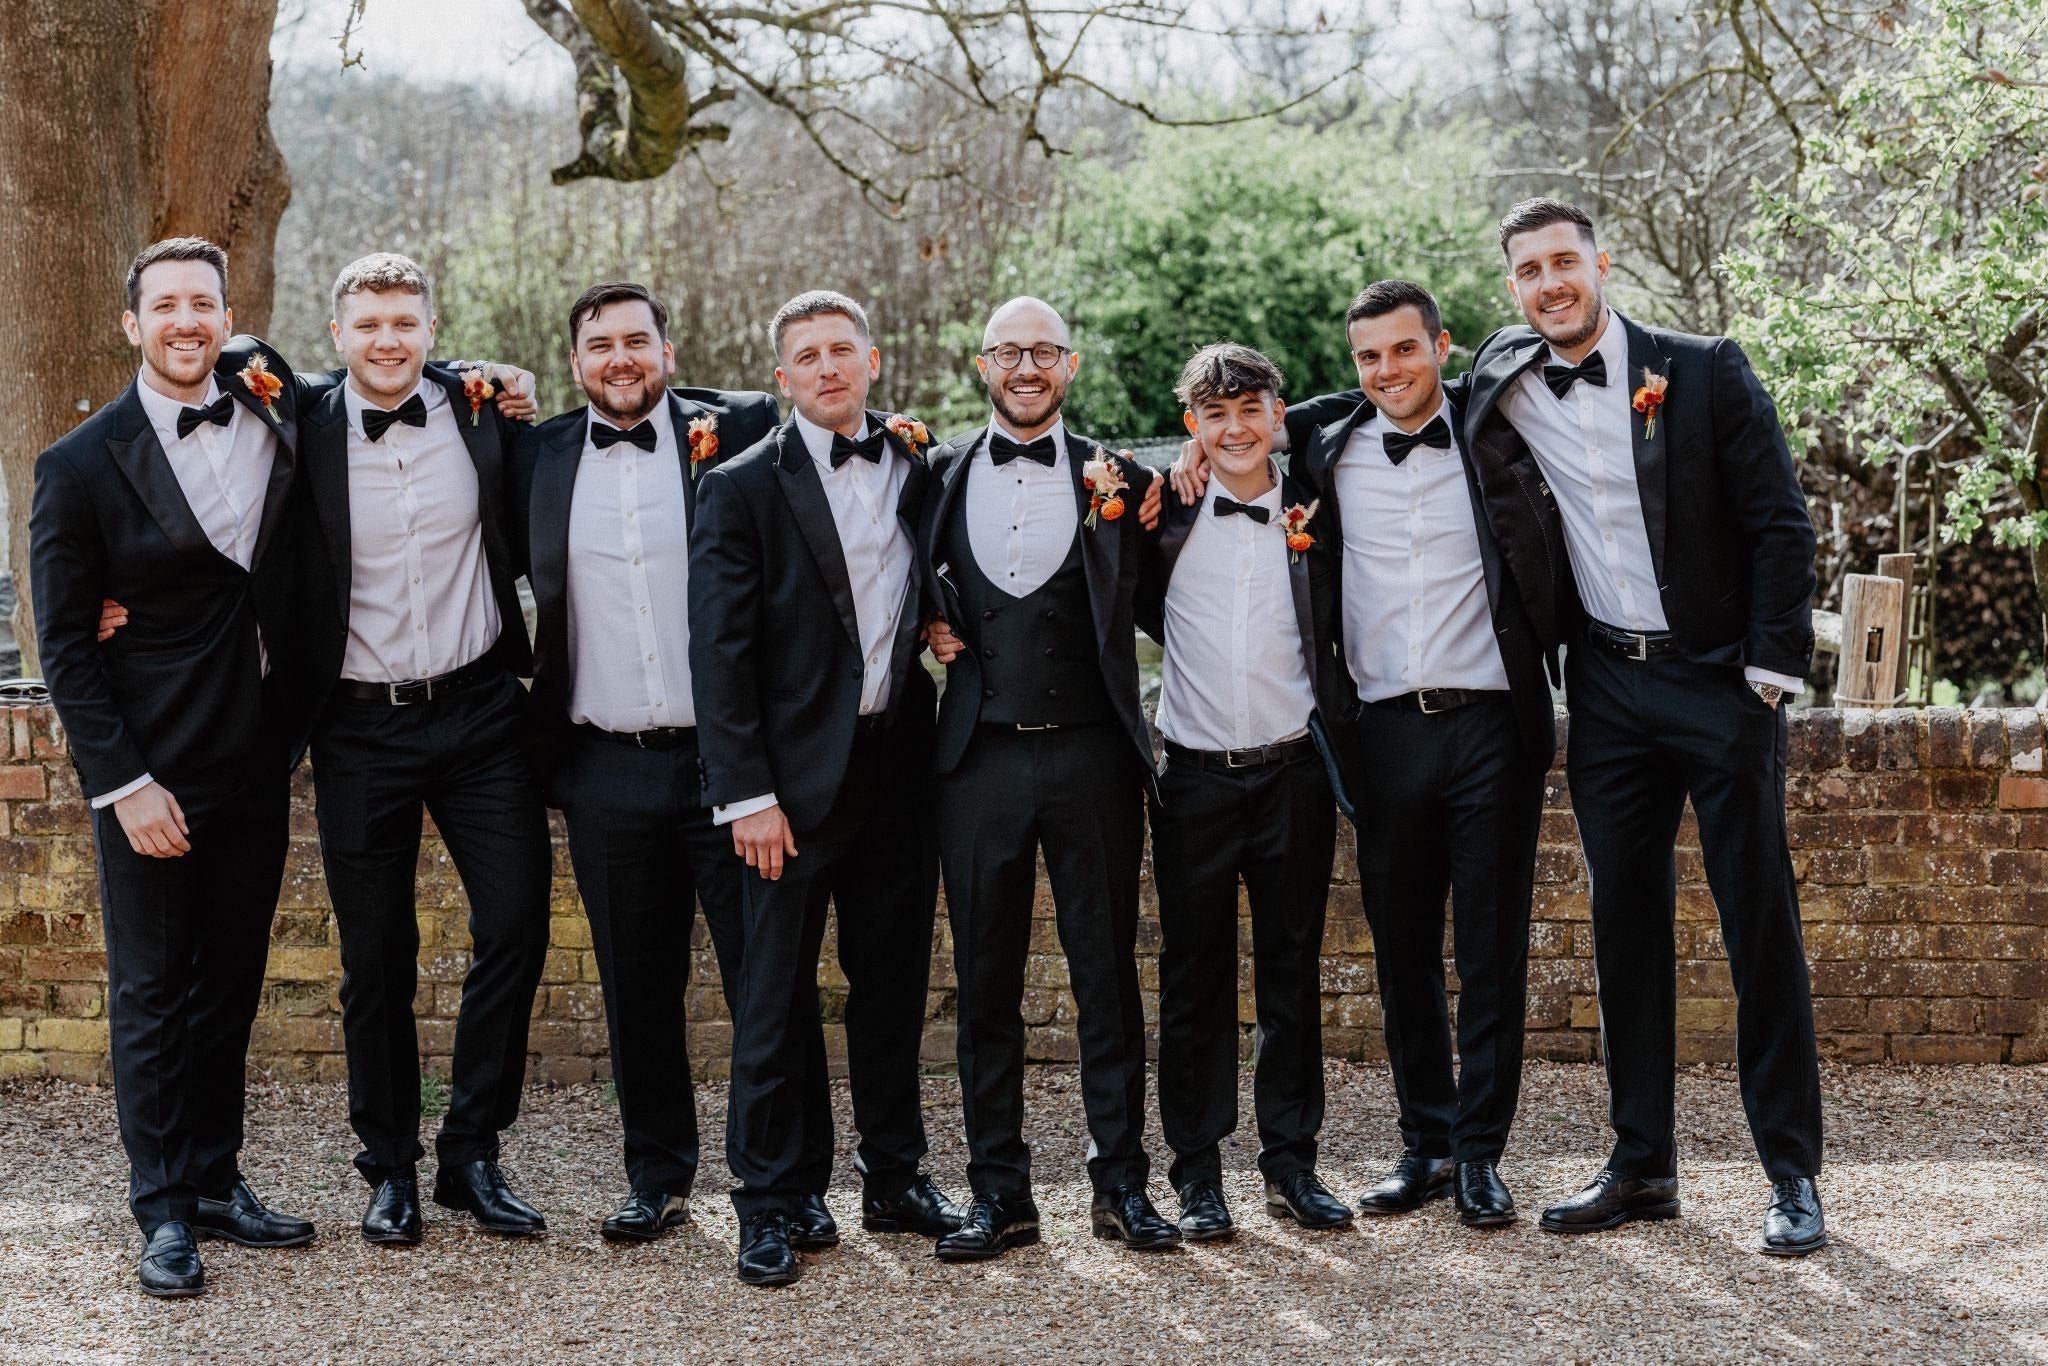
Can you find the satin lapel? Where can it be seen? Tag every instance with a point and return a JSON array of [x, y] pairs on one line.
[[681, 412], [805, 493], [228, 374], [325, 453], [480, 438], [148, 470], [1501, 370], [909, 504], [554, 488], [1489, 549], [1329, 448], [1176, 522], [1101, 546], [951, 482], [1652, 469], [1297, 577]]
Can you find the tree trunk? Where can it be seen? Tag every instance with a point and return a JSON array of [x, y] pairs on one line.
[[121, 122]]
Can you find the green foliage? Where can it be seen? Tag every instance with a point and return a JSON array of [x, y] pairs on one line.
[[1259, 234]]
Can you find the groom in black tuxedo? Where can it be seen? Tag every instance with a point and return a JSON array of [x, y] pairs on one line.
[[1652, 463], [171, 500], [814, 730]]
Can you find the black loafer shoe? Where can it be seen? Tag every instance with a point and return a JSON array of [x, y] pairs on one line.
[[1204, 1218], [812, 1227], [766, 1257], [1300, 1196], [1794, 1225], [1483, 1199], [170, 1268], [241, 1218], [479, 1188], [645, 1216], [393, 1217], [1613, 1200], [1415, 1181], [993, 1224], [1125, 1213], [923, 1208]]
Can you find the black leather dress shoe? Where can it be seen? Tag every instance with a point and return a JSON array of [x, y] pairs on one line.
[[1204, 1218], [1613, 1200], [1483, 1199], [645, 1216], [812, 1227], [766, 1256], [393, 1217], [1415, 1181], [1794, 1224], [1302, 1197], [480, 1189], [242, 1218], [1125, 1213], [923, 1208], [170, 1267], [993, 1224]]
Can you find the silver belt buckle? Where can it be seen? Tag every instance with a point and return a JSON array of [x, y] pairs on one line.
[[1054, 725], [1422, 696], [1642, 647], [1258, 757]]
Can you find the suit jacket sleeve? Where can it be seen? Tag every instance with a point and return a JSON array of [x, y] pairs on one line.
[[68, 562], [1302, 421], [726, 565], [1763, 491]]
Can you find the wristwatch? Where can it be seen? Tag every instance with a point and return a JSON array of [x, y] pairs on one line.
[[1771, 693]]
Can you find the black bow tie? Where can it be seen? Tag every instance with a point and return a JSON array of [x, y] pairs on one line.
[[377, 421], [868, 448], [217, 412], [1226, 507], [1561, 378], [1436, 433], [1003, 450], [604, 435]]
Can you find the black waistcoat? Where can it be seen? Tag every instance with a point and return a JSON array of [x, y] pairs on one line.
[[1037, 652]]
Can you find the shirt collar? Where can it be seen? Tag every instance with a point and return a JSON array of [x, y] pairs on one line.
[[162, 410], [1058, 433], [1269, 500], [818, 440], [1379, 426], [430, 394], [664, 429]]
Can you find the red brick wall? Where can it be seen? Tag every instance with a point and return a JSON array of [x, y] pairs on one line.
[[1920, 839]]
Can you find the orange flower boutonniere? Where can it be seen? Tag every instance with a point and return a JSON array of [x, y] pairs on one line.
[[1105, 482], [476, 387], [258, 380], [703, 437], [1294, 523], [1649, 399], [910, 432]]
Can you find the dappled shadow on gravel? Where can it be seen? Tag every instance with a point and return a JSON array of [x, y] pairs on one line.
[[1935, 1187]]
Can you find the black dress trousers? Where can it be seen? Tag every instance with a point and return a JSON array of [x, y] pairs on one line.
[[1645, 735], [375, 768], [1450, 802], [644, 850], [1275, 827], [1076, 792]]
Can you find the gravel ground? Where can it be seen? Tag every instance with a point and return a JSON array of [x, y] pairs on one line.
[[1936, 1182]]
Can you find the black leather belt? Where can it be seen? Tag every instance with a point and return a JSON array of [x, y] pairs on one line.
[[1237, 760], [661, 737], [1430, 701], [1636, 645], [424, 689]]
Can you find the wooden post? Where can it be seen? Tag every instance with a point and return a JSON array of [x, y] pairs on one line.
[[1900, 567], [1873, 640]]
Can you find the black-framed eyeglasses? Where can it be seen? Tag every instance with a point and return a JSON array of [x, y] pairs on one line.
[[1044, 355]]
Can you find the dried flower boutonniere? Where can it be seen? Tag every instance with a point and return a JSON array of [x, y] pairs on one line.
[[258, 380], [476, 387], [1294, 522], [910, 432], [1105, 481], [703, 438], [1649, 399]]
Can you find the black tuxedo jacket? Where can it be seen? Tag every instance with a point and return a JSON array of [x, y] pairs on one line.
[[545, 463], [1730, 536], [1313, 578], [326, 566], [178, 692], [1318, 431], [775, 658], [1109, 557]]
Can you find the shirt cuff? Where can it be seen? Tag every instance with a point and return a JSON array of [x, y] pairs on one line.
[[726, 815], [1792, 686], [105, 800]]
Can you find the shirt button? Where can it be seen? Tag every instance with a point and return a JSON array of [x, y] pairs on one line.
[[643, 606], [988, 692], [1052, 692], [1048, 654], [650, 659], [1413, 601], [636, 558], [988, 614]]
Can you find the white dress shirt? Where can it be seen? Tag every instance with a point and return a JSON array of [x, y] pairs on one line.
[[1416, 614], [1585, 445], [862, 495], [628, 584], [224, 473], [1021, 519], [419, 602], [1235, 675]]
